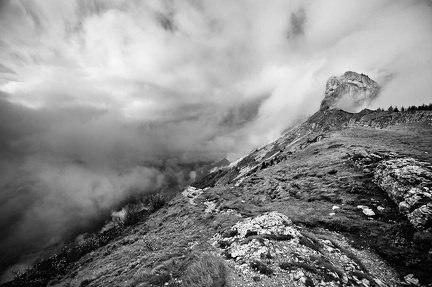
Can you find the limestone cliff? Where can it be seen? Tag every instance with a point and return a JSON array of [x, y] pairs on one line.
[[349, 92]]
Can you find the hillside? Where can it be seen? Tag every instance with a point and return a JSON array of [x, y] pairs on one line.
[[343, 199]]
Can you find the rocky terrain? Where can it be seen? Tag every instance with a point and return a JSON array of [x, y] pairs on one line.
[[343, 199]]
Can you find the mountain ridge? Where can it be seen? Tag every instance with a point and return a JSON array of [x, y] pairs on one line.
[[342, 199], [314, 128]]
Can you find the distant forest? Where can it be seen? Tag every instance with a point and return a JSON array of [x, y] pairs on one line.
[[410, 108]]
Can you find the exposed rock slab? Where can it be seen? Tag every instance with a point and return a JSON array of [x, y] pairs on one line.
[[408, 182]]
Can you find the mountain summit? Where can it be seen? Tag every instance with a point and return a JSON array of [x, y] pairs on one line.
[[349, 92]]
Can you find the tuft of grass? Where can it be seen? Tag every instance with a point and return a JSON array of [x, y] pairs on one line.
[[261, 268], [310, 241], [325, 264], [347, 252], [206, 271]]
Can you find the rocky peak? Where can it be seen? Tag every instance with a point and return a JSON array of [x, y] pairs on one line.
[[350, 92]]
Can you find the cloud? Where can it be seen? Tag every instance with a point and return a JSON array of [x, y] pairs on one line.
[[96, 94]]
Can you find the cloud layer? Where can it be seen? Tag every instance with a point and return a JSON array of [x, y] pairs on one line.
[[232, 71], [95, 94]]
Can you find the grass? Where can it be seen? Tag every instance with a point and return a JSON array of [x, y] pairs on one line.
[[146, 278], [206, 271], [325, 264], [310, 241], [347, 252]]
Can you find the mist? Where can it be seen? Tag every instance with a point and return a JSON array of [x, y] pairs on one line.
[[103, 100]]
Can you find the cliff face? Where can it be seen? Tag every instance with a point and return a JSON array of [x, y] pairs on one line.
[[349, 92]]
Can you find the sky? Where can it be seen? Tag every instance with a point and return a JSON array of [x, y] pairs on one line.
[[95, 94]]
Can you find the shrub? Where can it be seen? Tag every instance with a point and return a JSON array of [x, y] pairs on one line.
[[156, 201], [132, 216], [207, 271]]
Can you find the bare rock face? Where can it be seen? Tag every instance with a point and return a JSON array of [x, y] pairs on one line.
[[409, 183], [349, 92]]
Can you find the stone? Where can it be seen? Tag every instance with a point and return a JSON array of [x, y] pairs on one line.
[[410, 279], [368, 212], [191, 193]]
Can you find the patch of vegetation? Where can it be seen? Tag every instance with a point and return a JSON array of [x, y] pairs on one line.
[[85, 282], [131, 217], [206, 271], [310, 241], [261, 237], [156, 201], [144, 279], [45, 270], [261, 267], [309, 282], [410, 108], [59, 264], [347, 252], [325, 264], [308, 267], [210, 179]]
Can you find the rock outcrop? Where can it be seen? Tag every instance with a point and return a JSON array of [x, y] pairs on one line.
[[380, 120], [350, 92], [270, 249], [408, 182]]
